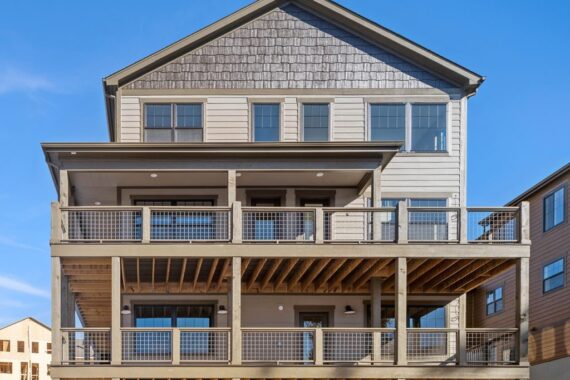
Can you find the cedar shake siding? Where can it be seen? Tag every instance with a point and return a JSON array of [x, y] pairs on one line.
[[291, 48]]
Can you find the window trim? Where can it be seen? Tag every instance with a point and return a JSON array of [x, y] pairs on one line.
[[302, 120], [564, 210], [494, 303], [252, 105], [173, 116], [563, 273]]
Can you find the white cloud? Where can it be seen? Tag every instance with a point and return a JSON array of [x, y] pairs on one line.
[[22, 287], [8, 242], [15, 80]]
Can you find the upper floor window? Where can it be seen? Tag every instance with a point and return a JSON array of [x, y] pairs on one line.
[[21, 346], [388, 122], [35, 347], [266, 122], [495, 301], [554, 209], [48, 348], [6, 367], [429, 127], [316, 122], [553, 275], [4, 345], [173, 122]]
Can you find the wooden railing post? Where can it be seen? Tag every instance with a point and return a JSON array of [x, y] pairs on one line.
[[235, 311], [237, 233], [175, 346], [319, 357], [376, 349], [463, 225], [462, 336], [401, 292], [522, 308], [525, 222], [56, 223], [56, 337], [116, 334], [402, 222], [146, 217], [319, 225]]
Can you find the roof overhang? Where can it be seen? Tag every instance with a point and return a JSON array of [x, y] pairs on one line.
[[373, 32]]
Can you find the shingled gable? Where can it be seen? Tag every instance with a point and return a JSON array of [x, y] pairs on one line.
[[248, 50]]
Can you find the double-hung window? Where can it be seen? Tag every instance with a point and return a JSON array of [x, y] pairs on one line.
[[173, 122], [429, 127], [266, 122], [388, 122], [316, 121], [553, 275], [554, 209], [495, 301]]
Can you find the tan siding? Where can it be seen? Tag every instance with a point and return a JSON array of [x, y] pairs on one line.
[[290, 120], [348, 119], [130, 119], [227, 119]]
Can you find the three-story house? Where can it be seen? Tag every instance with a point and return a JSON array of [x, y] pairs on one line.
[[283, 197]]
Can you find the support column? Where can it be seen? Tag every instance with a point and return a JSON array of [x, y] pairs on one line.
[[401, 292], [376, 202], [235, 298], [56, 354], [376, 301], [64, 201], [462, 337], [525, 222], [522, 308], [116, 355], [402, 222], [67, 304], [232, 187]]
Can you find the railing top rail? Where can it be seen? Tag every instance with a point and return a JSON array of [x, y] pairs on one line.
[[493, 208], [433, 209], [139, 329], [278, 209], [101, 208], [359, 209], [428, 330], [86, 329], [492, 329], [189, 208], [359, 329], [203, 329], [279, 329]]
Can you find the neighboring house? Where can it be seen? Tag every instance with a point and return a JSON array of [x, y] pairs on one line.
[[25, 350], [493, 303], [283, 196]]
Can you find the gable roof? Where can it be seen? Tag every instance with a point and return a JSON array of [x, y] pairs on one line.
[[564, 170], [24, 319], [341, 16]]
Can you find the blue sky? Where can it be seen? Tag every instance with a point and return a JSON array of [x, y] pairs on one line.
[[54, 54]]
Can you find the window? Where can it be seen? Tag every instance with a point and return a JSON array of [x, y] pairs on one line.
[[5, 367], [315, 122], [553, 275], [423, 316], [21, 346], [554, 209], [48, 348], [388, 122], [173, 122], [495, 301], [4, 345], [266, 122], [35, 347], [429, 127], [428, 225], [35, 371]]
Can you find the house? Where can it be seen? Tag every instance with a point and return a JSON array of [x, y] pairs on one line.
[[493, 302], [25, 350], [282, 197]]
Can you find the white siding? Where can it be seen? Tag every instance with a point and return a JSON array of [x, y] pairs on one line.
[[348, 119], [290, 120], [130, 119], [227, 119]]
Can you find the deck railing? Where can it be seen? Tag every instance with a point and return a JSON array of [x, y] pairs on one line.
[[292, 346], [316, 225]]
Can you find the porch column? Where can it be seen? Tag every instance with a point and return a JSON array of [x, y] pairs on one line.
[[232, 187], [376, 202], [56, 354], [64, 202], [401, 290], [462, 337], [376, 301], [235, 310], [67, 304], [522, 308], [116, 354]]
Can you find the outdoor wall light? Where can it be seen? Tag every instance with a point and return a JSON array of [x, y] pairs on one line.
[[320, 174], [126, 310], [348, 310], [280, 307], [153, 175], [97, 203], [222, 309], [238, 174]]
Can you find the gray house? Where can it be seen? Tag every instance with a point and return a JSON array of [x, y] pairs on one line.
[[282, 197]]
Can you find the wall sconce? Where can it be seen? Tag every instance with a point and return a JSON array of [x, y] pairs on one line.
[[348, 310], [280, 307], [222, 309], [126, 310]]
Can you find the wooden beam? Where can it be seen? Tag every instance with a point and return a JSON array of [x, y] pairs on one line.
[[381, 264], [345, 271], [212, 272], [442, 266], [244, 264], [153, 271], [123, 278], [326, 275], [285, 272], [255, 274], [321, 264], [197, 272], [138, 274], [425, 268], [359, 272], [447, 274], [471, 268], [182, 274], [306, 264], [414, 264], [167, 277], [270, 272], [477, 281], [224, 273]]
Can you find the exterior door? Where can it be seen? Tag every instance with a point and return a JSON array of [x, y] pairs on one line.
[[311, 320]]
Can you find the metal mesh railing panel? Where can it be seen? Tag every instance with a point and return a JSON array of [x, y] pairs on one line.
[[432, 346], [86, 346], [146, 345], [204, 345], [98, 225], [347, 346], [491, 347], [287, 346], [493, 225], [190, 225], [433, 225], [278, 225], [352, 225]]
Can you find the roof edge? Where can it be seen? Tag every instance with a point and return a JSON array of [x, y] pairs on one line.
[[23, 319], [565, 169]]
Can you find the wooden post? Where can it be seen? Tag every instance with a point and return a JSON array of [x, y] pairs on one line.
[[56, 337], [522, 311], [376, 347], [146, 216], [235, 297], [402, 222], [175, 346], [232, 187], [463, 226], [64, 202], [525, 222], [56, 231], [318, 347], [376, 202], [376, 301], [462, 332], [237, 233], [116, 355], [319, 225], [401, 305]]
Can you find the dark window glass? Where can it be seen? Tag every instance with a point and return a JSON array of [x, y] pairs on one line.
[[188, 116], [158, 115], [429, 127], [553, 275], [315, 122], [554, 209], [266, 122], [428, 316], [161, 126], [21, 346], [495, 301], [388, 122]]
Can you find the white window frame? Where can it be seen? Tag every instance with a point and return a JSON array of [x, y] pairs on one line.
[[302, 119]]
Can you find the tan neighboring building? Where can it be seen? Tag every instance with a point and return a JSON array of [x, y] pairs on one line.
[[25, 351], [283, 196], [494, 303]]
